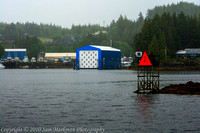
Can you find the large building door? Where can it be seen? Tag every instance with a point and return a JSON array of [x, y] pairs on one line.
[[88, 59]]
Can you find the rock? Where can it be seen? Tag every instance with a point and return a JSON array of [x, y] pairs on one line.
[[188, 88], [66, 41]]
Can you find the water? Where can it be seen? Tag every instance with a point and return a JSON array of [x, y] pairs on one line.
[[65, 100]]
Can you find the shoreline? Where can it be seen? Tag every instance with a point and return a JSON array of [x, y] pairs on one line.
[[43, 65], [133, 68], [194, 68], [189, 88]]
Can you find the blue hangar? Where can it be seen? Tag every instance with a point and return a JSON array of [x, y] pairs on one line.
[[20, 53], [98, 57]]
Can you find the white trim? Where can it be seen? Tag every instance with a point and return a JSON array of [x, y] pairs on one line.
[[12, 50]]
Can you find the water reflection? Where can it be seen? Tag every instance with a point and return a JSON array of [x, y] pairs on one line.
[[144, 103]]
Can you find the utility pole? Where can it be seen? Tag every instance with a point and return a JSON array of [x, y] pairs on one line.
[[14, 51], [165, 53], [111, 43]]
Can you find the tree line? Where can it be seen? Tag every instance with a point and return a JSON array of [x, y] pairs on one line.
[[12, 31], [190, 9], [120, 34], [165, 28], [164, 35], [2, 51], [33, 45]]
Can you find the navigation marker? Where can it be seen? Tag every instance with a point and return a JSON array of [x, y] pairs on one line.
[[145, 60]]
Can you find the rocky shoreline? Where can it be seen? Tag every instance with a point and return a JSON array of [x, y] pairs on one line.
[[194, 68], [188, 88]]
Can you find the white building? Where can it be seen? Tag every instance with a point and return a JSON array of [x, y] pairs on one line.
[[53, 56]]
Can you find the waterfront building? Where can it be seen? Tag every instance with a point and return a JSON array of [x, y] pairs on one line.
[[188, 53], [14, 54], [60, 56], [98, 57]]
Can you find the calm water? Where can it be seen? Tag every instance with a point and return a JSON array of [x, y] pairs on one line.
[[66, 100]]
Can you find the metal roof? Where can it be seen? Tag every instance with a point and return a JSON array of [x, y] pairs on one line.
[[192, 51], [189, 51], [12, 50], [59, 54], [98, 32], [181, 52], [105, 48]]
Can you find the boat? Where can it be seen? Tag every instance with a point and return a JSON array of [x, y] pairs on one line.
[[126, 62], [2, 66]]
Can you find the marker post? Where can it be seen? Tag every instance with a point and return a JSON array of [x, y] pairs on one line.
[[148, 77]]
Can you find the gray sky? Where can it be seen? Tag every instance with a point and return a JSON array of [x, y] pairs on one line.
[[68, 12]]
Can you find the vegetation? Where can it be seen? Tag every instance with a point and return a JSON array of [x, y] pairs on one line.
[[33, 45], [166, 29], [2, 51], [189, 9], [103, 40], [167, 34], [121, 34]]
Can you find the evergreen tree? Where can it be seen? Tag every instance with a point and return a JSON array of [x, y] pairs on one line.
[[2, 51], [33, 45], [162, 47], [61, 48], [167, 33], [154, 46]]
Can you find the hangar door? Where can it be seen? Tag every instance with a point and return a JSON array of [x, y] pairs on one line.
[[88, 59]]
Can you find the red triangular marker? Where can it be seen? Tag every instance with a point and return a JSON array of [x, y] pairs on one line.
[[145, 60]]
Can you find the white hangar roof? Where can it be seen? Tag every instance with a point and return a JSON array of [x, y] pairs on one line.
[[12, 50], [105, 48]]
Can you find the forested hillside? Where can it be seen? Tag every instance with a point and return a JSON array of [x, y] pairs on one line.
[[121, 34], [168, 28], [168, 33], [189, 9], [12, 31]]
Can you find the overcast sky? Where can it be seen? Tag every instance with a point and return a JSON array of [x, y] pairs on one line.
[[68, 12]]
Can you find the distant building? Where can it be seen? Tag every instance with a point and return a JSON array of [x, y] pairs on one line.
[[98, 57], [14, 53], [188, 53], [98, 32], [46, 40], [181, 53], [57, 56]]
